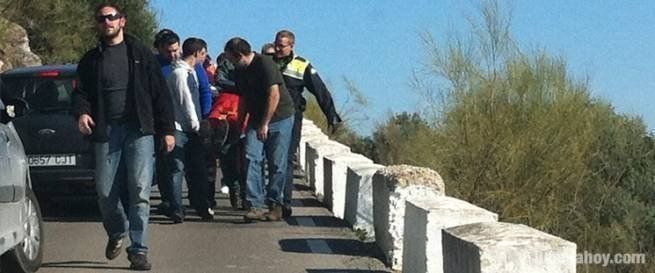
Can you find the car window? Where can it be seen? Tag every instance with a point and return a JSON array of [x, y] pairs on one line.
[[42, 94]]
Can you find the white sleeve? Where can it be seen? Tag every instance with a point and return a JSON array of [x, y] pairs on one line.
[[188, 106], [178, 84]]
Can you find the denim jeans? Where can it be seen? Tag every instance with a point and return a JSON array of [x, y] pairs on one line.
[[276, 149], [187, 160], [124, 166]]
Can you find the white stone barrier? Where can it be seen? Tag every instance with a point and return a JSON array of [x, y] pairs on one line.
[[505, 248], [335, 169], [424, 221], [309, 135], [404, 209], [316, 150], [391, 188], [358, 205], [307, 123]]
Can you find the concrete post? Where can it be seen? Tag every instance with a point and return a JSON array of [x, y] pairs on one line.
[[307, 122], [505, 248], [358, 209], [316, 150], [424, 220], [391, 188], [334, 179], [308, 135]]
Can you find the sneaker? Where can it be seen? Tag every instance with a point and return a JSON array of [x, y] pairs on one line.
[[113, 248], [255, 214], [274, 213], [286, 211], [139, 261]]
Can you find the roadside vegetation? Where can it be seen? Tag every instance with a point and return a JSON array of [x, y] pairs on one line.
[[513, 131]]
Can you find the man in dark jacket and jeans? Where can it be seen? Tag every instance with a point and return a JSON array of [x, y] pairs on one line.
[[299, 74], [121, 101]]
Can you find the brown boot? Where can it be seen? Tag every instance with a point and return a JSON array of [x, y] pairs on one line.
[[255, 214], [274, 213]]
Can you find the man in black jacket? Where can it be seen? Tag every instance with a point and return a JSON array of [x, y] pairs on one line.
[[121, 101], [299, 74]]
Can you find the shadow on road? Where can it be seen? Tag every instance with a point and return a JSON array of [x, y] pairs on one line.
[[344, 271], [348, 247], [307, 202], [316, 221], [83, 264]]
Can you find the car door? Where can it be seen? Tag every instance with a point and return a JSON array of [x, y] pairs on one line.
[[8, 186]]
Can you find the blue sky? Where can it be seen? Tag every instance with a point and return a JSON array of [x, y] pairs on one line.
[[376, 44]]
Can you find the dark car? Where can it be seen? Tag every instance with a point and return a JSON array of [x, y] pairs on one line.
[[38, 102]]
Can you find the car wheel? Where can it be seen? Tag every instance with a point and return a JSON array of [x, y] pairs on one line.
[[26, 257]]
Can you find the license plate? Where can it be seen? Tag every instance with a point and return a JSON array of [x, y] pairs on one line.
[[51, 160]]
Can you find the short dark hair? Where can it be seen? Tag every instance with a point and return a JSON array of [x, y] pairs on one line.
[[192, 45], [109, 5], [286, 34], [267, 46], [165, 37], [237, 45]]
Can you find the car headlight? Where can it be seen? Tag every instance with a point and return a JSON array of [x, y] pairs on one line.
[[11, 111]]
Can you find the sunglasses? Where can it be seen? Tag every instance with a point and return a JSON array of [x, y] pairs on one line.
[[111, 17]]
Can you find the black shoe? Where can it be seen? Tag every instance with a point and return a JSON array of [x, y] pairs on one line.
[[139, 261], [164, 208], [113, 248], [206, 214], [177, 217], [286, 211]]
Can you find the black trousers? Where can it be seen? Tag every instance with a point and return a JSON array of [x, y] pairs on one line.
[[293, 159]]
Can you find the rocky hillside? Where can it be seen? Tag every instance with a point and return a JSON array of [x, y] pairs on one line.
[[14, 47]]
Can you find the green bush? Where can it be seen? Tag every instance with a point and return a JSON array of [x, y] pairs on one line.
[[516, 134]]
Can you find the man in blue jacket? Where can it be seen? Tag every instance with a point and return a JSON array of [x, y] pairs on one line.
[[167, 43]]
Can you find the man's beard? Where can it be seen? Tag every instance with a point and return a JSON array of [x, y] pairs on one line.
[[109, 34]]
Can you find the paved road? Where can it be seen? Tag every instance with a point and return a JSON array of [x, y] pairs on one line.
[[311, 241]]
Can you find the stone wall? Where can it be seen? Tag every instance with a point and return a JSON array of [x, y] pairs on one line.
[[392, 186], [405, 211], [425, 220]]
